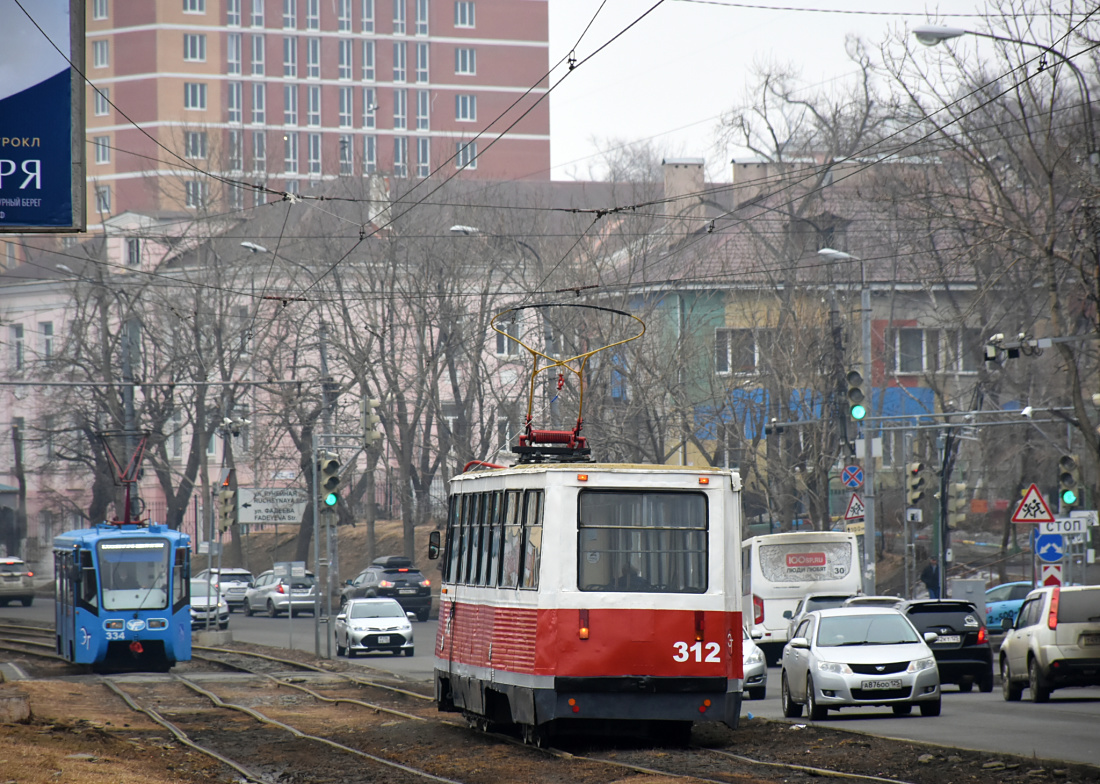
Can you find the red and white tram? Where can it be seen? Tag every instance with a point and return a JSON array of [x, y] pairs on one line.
[[584, 591]]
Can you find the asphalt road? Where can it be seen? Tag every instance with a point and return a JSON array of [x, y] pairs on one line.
[[1063, 729]]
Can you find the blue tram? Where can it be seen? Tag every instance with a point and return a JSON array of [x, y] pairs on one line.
[[122, 596]]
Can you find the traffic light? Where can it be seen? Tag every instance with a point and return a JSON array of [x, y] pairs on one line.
[[328, 470], [914, 483], [368, 407], [957, 504], [227, 507], [856, 397], [1069, 480]]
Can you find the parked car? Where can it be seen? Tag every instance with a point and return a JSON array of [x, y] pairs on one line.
[[16, 581], [1003, 601], [872, 601], [276, 595], [231, 582], [755, 666], [1053, 643], [962, 650], [814, 601], [394, 577], [208, 608], [365, 625], [858, 656]]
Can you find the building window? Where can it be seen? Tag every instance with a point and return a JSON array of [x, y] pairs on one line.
[[194, 6], [735, 351], [233, 13], [257, 19], [464, 13], [175, 437], [194, 96], [101, 54], [367, 22], [398, 17], [423, 157], [259, 151], [400, 110], [400, 156], [133, 251], [194, 144], [233, 54], [45, 333], [423, 108], [290, 104], [315, 153], [961, 350], [370, 154], [290, 153], [399, 62], [292, 187], [466, 108], [233, 95], [290, 14], [345, 58], [103, 198], [102, 149], [370, 107], [313, 107], [197, 193], [343, 16], [290, 57], [236, 197], [346, 106], [346, 150], [466, 155], [15, 334], [194, 48], [99, 9], [421, 17], [368, 61], [102, 101], [466, 61], [258, 195], [257, 55], [313, 58], [259, 109], [236, 151], [907, 351], [313, 14], [504, 346], [422, 63]]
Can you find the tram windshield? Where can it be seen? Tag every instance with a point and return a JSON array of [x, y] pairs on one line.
[[134, 573]]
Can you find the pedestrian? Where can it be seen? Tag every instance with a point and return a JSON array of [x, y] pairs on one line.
[[931, 578]]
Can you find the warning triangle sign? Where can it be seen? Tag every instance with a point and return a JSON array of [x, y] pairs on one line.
[[855, 509], [1033, 508]]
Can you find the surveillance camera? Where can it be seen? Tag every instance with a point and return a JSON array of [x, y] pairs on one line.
[[998, 338], [252, 246], [1026, 411]]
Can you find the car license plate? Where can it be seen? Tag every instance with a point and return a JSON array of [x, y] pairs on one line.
[[383, 639], [893, 683], [955, 638], [1090, 639], [406, 591]]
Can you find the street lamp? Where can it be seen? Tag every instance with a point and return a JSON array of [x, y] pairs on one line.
[[831, 254]]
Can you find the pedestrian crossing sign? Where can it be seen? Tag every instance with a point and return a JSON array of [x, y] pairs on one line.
[[1032, 508]]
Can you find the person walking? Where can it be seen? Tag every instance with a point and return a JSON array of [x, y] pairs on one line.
[[931, 578]]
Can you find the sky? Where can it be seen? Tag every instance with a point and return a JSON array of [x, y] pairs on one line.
[[670, 77]]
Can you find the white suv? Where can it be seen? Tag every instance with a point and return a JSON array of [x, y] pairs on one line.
[[16, 581], [1055, 642], [230, 582]]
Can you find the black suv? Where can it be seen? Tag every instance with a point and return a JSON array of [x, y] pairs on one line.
[[392, 576], [962, 650]]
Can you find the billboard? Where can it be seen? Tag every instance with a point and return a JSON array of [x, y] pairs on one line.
[[42, 116]]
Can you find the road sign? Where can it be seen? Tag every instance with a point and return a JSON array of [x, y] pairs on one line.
[[1064, 525], [859, 529], [856, 509], [1049, 547], [271, 504], [852, 477], [1050, 574], [1032, 508]]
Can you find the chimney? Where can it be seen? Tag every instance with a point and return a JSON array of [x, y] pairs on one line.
[[683, 195]]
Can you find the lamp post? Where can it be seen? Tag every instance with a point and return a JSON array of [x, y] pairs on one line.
[[868, 457]]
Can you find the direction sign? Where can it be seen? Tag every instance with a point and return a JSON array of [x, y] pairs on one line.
[[271, 504], [1050, 574], [1032, 508], [856, 509], [1049, 547], [852, 477]]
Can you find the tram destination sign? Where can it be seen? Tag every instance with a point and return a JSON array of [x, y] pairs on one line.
[[271, 504]]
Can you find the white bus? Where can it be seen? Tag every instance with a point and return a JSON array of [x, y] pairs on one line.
[[777, 570]]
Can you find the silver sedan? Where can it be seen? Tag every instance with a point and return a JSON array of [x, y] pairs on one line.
[[755, 667], [858, 656], [373, 625]]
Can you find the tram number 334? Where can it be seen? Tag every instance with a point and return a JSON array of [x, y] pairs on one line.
[[685, 652]]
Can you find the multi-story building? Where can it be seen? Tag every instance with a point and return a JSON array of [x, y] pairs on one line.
[[285, 93]]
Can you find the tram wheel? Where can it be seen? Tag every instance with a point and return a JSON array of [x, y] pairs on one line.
[[537, 735]]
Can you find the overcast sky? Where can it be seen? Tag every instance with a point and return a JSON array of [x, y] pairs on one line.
[[671, 76]]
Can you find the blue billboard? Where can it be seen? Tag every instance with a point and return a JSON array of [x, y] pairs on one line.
[[41, 116]]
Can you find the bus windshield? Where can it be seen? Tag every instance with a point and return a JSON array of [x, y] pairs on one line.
[[133, 574]]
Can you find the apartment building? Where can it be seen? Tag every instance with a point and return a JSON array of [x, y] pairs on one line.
[[287, 93]]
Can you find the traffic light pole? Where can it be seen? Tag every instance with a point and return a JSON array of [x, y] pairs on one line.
[[869, 542]]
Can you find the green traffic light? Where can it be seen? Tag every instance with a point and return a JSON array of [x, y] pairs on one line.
[[331, 499], [859, 412], [1069, 497]]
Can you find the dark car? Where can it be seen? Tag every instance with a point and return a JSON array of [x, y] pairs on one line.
[[962, 650], [392, 576]]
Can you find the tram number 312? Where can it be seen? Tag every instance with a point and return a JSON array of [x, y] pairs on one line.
[[684, 652]]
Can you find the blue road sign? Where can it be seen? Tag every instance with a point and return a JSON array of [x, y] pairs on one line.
[[852, 476], [1049, 547]]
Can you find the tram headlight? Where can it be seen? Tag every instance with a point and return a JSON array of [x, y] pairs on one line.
[[158, 623], [112, 625]]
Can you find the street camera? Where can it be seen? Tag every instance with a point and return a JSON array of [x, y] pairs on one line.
[[1026, 411]]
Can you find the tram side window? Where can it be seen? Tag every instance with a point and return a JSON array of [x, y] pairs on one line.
[[451, 553], [532, 540], [513, 538], [88, 594], [181, 583], [495, 534], [62, 566], [477, 526], [640, 541], [463, 540]]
